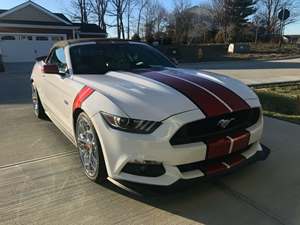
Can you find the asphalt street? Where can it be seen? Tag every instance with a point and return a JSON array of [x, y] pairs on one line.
[[253, 72], [41, 181]]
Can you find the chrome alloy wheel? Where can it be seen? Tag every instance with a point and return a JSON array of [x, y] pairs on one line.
[[88, 148], [35, 100]]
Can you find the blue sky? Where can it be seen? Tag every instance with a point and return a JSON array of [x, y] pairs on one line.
[[62, 5]]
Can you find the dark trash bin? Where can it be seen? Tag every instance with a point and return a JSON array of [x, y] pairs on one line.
[[1, 62]]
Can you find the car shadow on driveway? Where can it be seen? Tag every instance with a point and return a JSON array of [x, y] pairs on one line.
[[208, 202]]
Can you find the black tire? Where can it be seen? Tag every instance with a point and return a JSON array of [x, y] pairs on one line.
[[37, 104], [100, 174]]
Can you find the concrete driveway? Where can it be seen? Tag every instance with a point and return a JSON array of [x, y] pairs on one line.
[[253, 72], [41, 181]]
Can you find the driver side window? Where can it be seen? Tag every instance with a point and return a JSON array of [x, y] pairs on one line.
[[58, 58]]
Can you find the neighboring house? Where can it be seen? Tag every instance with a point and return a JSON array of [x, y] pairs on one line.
[[294, 39], [28, 31]]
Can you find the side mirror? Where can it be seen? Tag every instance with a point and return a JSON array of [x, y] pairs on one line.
[[50, 69]]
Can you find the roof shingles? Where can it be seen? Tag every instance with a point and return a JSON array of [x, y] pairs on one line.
[[87, 28]]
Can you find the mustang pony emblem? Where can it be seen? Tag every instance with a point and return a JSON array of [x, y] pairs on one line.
[[224, 123]]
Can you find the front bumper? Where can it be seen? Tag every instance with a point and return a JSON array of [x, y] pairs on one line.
[[121, 148]]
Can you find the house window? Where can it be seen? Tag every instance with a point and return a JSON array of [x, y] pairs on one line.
[[8, 38], [23, 38], [42, 38], [57, 38]]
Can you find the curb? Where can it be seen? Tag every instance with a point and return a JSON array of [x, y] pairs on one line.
[[270, 84]]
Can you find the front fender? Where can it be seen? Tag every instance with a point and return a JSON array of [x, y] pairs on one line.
[[98, 102]]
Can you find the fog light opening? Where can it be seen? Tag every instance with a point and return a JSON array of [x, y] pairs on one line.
[[144, 168]]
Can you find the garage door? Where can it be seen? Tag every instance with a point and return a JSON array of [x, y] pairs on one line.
[[26, 48]]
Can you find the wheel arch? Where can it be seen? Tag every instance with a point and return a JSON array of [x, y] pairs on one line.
[[76, 113]]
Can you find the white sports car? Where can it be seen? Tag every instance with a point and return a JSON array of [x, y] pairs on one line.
[[133, 116]]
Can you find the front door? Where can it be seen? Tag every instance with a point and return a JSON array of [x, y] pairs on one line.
[[60, 91]]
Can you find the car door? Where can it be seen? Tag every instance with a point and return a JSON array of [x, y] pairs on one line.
[[60, 91]]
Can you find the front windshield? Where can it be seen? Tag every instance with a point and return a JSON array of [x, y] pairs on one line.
[[101, 58]]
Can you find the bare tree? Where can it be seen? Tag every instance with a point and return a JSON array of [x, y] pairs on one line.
[[99, 9], [118, 10], [161, 17], [202, 21], [81, 10], [150, 20], [181, 5], [141, 6], [221, 16], [269, 11], [131, 5], [181, 19], [256, 23]]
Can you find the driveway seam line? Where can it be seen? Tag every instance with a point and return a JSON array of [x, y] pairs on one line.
[[58, 155]]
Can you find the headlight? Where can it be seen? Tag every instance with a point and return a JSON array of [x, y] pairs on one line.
[[130, 125]]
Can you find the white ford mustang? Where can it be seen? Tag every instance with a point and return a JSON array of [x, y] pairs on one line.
[[133, 116]]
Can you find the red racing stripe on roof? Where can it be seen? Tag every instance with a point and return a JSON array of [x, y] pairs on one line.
[[83, 94], [206, 102]]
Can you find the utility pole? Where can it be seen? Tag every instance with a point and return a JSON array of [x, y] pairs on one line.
[[281, 27], [283, 15]]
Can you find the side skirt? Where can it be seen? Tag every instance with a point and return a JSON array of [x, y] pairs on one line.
[[61, 128]]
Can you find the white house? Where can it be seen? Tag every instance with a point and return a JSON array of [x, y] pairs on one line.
[[28, 31]]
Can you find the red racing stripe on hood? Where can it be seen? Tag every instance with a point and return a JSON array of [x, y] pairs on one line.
[[206, 102], [234, 101], [83, 94]]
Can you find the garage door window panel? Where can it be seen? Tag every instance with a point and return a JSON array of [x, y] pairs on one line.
[[8, 38], [42, 38], [56, 38]]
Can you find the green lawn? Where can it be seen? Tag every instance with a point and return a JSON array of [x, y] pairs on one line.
[[281, 102], [269, 51]]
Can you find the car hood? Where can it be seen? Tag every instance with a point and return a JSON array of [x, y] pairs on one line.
[[143, 98]]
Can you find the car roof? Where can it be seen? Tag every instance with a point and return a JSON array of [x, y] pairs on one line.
[[62, 44]]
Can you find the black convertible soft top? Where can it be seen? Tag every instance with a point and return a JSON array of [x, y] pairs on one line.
[[62, 44]]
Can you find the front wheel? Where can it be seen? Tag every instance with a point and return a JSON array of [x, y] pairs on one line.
[[37, 104], [90, 151]]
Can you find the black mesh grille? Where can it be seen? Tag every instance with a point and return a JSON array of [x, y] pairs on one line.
[[205, 129]]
